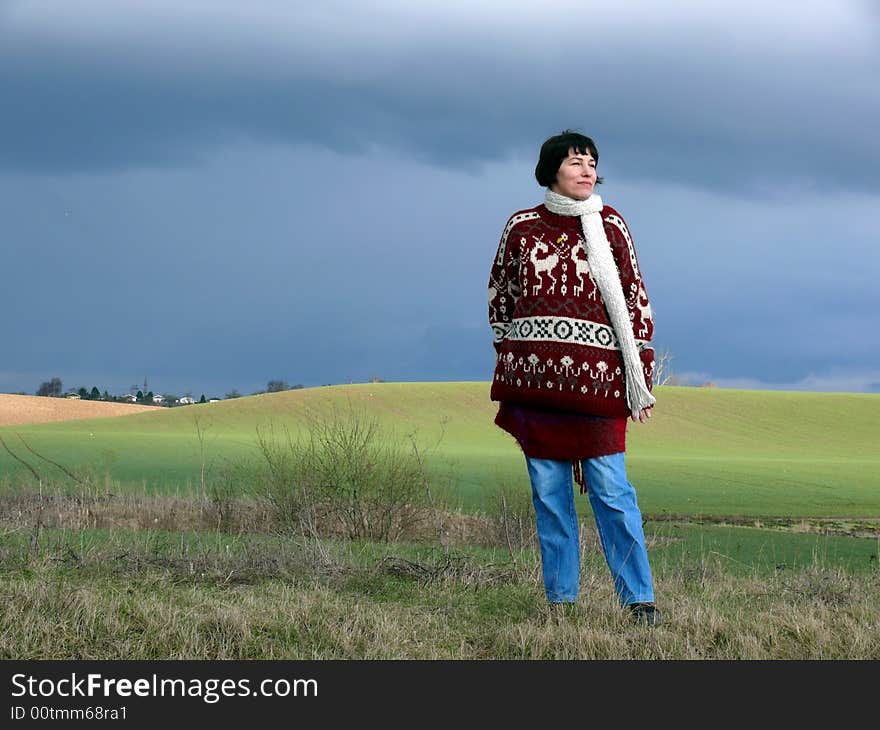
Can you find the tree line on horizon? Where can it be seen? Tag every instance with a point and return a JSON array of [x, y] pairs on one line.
[[663, 375], [54, 388]]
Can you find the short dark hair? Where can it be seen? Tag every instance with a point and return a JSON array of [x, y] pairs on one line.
[[555, 150]]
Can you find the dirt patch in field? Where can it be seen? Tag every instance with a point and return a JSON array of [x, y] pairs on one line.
[[842, 526], [21, 409]]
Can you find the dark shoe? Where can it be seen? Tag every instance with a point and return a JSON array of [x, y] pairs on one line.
[[645, 614]]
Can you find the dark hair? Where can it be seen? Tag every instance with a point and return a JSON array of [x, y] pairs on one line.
[[555, 150]]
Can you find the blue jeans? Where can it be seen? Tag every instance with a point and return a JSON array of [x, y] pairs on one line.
[[618, 521]]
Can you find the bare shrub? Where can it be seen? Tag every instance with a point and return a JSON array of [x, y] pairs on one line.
[[348, 472], [279, 476]]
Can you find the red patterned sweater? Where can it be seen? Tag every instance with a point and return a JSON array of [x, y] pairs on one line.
[[559, 371]]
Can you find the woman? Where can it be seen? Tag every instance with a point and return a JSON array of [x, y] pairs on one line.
[[573, 326]]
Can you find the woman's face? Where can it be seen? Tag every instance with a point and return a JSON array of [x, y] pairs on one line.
[[576, 176]]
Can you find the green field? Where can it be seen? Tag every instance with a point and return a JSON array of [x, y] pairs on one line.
[[705, 452], [762, 513]]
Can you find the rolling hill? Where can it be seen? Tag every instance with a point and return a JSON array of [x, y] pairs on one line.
[[705, 451]]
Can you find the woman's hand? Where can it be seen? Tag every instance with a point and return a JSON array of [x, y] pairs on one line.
[[644, 414]]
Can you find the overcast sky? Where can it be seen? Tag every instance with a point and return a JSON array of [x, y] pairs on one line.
[[213, 194]]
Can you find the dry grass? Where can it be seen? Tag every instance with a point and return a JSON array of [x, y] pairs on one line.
[[146, 593], [100, 509], [143, 607]]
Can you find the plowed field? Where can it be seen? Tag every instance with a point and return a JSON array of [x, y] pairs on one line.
[[18, 409]]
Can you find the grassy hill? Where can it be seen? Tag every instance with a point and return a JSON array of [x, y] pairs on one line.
[[705, 451]]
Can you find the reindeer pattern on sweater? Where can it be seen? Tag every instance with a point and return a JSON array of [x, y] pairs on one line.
[[555, 345]]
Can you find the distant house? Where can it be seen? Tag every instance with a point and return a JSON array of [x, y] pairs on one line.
[[158, 399], [130, 398], [72, 396], [186, 400], [213, 400]]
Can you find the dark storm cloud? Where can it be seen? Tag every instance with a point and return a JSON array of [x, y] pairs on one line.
[[245, 270], [213, 195], [726, 100]]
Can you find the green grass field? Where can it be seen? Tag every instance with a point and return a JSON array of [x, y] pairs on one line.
[[135, 564], [706, 451]]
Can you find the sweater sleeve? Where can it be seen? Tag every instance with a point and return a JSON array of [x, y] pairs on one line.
[[504, 287], [631, 279]]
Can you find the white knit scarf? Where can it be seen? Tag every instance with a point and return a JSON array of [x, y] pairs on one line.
[[604, 272]]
